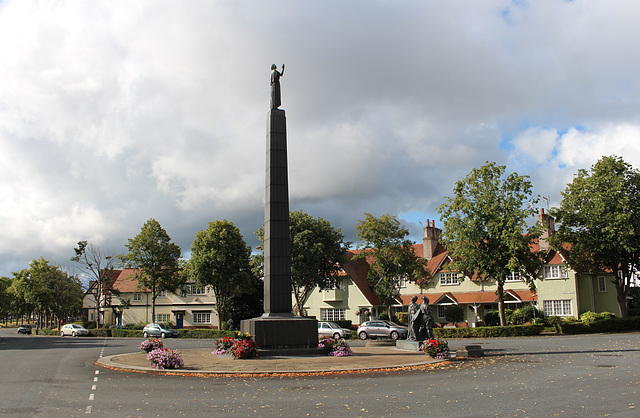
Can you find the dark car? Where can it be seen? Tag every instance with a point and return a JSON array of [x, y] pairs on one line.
[[384, 329], [157, 330], [24, 329]]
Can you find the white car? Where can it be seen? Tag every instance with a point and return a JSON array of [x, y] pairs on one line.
[[74, 330], [331, 329]]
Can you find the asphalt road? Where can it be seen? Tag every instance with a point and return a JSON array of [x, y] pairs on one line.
[[586, 376]]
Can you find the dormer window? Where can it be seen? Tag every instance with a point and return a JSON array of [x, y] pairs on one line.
[[449, 278]]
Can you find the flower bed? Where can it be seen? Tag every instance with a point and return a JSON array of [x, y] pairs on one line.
[[150, 345], [335, 347], [240, 347], [163, 358], [438, 349]]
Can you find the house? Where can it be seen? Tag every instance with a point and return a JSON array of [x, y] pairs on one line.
[[561, 289], [127, 303]]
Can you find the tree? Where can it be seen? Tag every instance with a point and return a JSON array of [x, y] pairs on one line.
[[318, 252], [157, 258], [220, 258], [98, 265], [599, 218], [385, 242], [485, 227]]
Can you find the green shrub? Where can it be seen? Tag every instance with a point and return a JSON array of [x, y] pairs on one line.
[[525, 314], [492, 318], [402, 318], [454, 313], [101, 332], [115, 332], [137, 325], [89, 324], [508, 331], [384, 316], [602, 325], [206, 333]]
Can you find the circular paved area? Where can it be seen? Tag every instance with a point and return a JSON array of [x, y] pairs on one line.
[[201, 361]]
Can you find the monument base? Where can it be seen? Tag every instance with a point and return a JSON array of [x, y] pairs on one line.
[[409, 345], [280, 334]]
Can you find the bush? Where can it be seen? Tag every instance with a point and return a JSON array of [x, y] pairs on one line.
[[384, 316], [89, 324], [492, 318], [508, 331], [402, 318], [206, 333], [151, 344], [454, 313], [602, 325], [135, 333], [138, 325], [101, 332], [591, 317], [525, 314]]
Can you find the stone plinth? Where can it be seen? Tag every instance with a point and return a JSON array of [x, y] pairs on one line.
[[283, 332], [409, 345], [470, 351]]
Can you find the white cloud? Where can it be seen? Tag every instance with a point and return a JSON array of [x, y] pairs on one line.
[[114, 112]]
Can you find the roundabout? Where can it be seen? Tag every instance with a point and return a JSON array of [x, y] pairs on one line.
[[202, 362]]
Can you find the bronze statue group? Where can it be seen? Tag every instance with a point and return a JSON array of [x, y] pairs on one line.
[[420, 320]]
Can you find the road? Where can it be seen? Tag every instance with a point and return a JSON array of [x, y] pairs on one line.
[[570, 376]]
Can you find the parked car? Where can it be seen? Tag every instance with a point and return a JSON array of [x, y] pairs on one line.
[[157, 330], [379, 328], [24, 329], [331, 329], [73, 329]]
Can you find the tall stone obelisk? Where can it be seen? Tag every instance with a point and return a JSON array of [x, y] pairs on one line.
[[278, 330]]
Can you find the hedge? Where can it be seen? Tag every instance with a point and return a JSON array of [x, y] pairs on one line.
[[508, 331], [604, 325], [204, 333]]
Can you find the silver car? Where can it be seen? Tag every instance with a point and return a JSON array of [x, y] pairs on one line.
[[380, 328], [331, 329], [73, 329], [157, 330]]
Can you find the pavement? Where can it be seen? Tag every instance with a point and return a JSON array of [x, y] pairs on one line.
[[201, 361]]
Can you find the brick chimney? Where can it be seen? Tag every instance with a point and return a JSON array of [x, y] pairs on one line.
[[430, 240], [548, 228]]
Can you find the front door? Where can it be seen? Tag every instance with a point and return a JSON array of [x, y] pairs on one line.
[[179, 318]]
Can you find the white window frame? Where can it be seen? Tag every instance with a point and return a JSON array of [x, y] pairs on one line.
[[163, 317], [402, 281], [558, 307], [332, 314], [449, 278], [196, 290], [332, 286], [602, 284], [514, 276], [201, 317], [554, 272], [137, 297]]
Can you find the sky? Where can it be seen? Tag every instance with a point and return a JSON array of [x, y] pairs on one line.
[[115, 112]]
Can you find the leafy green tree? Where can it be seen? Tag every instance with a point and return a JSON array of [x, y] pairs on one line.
[[98, 266], [318, 252], [384, 241], [599, 218], [5, 298], [157, 258], [220, 258], [485, 227]]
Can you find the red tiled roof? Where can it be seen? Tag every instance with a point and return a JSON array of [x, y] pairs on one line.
[[126, 282]]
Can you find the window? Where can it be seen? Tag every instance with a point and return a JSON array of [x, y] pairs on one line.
[[558, 307], [202, 317], [163, 317], [330, 284], [137, 297], [555, 272], [331, 314], [514, 276], [602, 284], [193, 289], [162, 294], [402, 281], [441, 309], [449, 278]]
